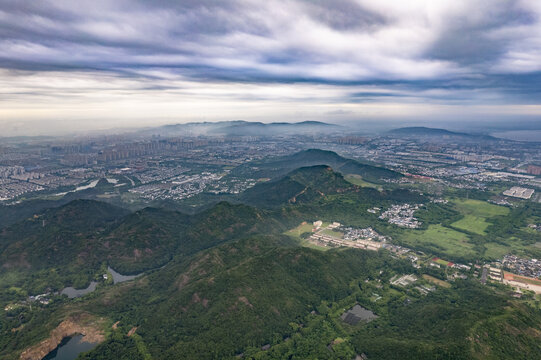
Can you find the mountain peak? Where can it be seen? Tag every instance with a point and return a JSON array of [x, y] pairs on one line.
[[302, 184]]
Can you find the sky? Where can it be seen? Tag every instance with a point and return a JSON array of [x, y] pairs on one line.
[[83, 65]]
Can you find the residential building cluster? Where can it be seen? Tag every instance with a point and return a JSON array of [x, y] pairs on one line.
[[176, 188], [324, 236], [521, 266], [402, 215], [353, 234]]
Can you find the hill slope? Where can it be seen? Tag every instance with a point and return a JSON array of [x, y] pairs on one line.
[[57, 227], [278, 167], [264, 298], [421, 131], [299, 186], [68, 245]]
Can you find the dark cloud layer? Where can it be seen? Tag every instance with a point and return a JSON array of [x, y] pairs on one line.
[[471, 51]]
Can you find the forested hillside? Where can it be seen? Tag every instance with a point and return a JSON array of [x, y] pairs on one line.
[[228, 282], [277, 167]]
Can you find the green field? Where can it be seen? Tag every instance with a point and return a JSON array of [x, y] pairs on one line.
[[442, 262], [479, 208], [299, 230], [305, 228], [471, 223], [456, 239], [475, 215], [440, 240], [512, 244], [495, 250], [336, 234]]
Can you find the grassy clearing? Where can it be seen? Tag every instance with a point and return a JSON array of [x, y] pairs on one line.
[[512, 244], [471, 223], [333, 233], [436, 281], [358, 180], [440, 240], [479, 208], [299, 230], [495, 250], [475, 214], [442, 262], [311, 245]]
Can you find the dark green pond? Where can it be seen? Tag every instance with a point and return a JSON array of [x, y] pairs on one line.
[[70, 348]]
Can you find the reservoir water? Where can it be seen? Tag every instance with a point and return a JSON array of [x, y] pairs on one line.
[[118, 278], [74, 293], [71, 292], [70, 348]]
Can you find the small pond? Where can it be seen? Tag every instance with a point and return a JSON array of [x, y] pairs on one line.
[[70, 348]]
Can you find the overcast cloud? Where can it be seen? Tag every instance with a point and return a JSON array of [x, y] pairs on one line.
[[93, 64]]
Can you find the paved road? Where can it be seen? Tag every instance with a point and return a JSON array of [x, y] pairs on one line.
[[484, 275]]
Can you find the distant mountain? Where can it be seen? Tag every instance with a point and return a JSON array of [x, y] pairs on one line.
[[277, 167], [273, 129], [242, 128], [425, 131]]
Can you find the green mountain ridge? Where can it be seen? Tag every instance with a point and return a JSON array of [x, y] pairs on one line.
[[55, 228], [277, 167], [426, 131], [130, 243], [299, 186]]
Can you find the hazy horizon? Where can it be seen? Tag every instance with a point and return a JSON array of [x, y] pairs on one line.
[[70, 67]]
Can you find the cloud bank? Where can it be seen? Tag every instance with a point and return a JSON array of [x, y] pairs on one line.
[[103, 63]]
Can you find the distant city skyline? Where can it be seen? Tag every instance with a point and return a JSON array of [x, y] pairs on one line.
[[79, 66]]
